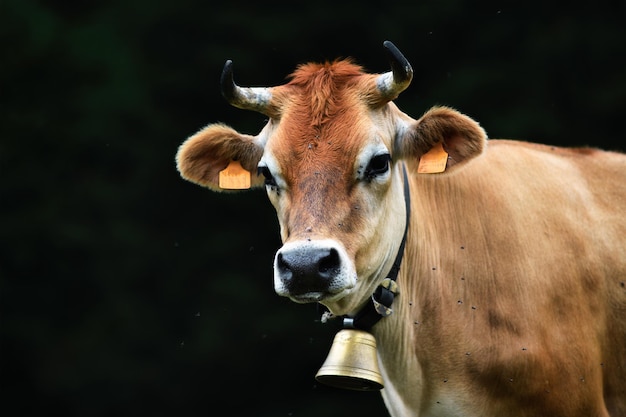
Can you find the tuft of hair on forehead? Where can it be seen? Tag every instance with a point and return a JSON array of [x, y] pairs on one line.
[[322, 86], [339, 69]]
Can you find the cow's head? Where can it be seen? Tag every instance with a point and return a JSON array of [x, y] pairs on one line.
[[330, 159]]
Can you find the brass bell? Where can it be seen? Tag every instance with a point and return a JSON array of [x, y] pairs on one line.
[[352, 362]]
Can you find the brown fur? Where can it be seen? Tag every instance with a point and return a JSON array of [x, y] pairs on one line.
[[514, 282], [512, 289]]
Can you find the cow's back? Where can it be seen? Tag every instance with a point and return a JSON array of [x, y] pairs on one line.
[[520, 268]]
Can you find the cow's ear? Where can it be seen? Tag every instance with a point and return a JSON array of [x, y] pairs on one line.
[[461, 137], [202, 156]]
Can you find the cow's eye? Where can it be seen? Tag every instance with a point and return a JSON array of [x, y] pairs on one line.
[[378, 165], [269, 178]]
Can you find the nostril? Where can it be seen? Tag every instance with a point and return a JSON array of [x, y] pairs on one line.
[[329, 265], [283, 267]]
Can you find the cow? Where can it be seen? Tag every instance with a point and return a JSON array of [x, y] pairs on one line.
[[509, 257]]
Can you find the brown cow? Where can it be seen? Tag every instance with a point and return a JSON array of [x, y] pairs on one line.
[[512, 298]]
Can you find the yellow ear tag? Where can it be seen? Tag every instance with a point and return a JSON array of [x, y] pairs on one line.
[[433, 161], [234, 177]]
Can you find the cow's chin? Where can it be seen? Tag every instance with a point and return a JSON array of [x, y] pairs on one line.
[[317, 297]]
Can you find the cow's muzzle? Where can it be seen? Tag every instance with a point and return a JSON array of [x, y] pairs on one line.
[[310, 271]]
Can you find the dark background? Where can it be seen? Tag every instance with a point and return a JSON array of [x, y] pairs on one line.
[[125, 290]]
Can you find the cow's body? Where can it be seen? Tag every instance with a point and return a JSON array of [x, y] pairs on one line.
[[512, 295], [512, 287]]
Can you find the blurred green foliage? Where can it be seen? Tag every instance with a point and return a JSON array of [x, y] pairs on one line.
[[125, 290]]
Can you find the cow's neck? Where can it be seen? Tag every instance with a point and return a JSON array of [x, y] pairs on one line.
[[395, 338]]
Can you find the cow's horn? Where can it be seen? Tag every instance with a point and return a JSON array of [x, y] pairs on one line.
[[392, 83], [248, 98]]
